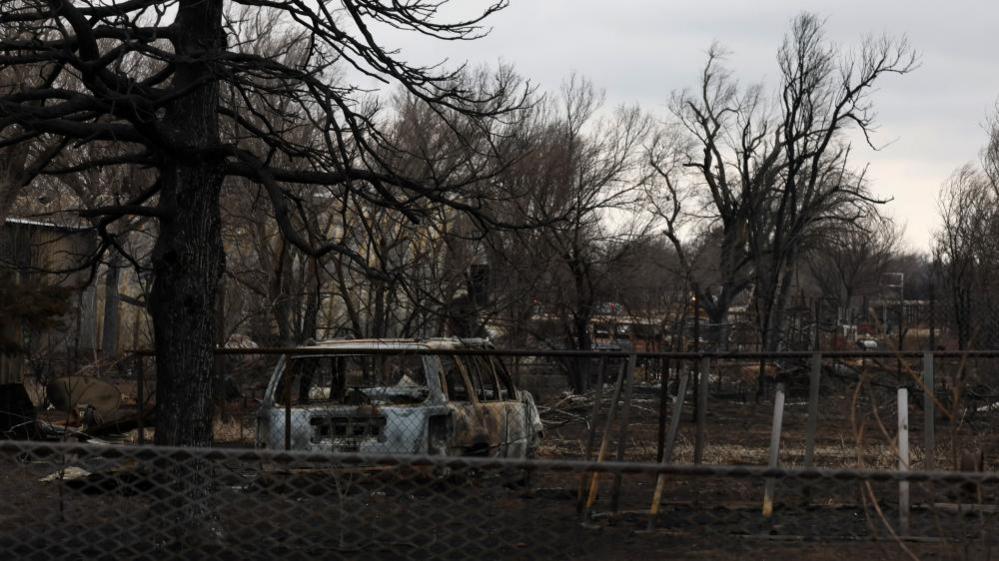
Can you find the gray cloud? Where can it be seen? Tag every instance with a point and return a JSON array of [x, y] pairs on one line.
[[640, 50]]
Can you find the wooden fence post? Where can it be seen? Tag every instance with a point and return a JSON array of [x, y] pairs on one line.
[[140, 396], [591, 439], [604, 443]]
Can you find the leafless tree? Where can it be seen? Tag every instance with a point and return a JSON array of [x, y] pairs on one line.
[[588, 171], [21, 159], [650, 285], [966, 250], [175, 113], [768, 171], [849, 259], [581, 182]]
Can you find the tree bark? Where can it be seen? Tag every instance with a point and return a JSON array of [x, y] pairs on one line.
[[12, 161], [187, 262], [582, 316], [112, 303], [188, 259], [310, 317], [717, 331]]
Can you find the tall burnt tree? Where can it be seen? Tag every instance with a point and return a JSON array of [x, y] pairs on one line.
[[169, 85], [768, 171]]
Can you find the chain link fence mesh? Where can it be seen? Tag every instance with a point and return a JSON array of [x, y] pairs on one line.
[[130, 502]]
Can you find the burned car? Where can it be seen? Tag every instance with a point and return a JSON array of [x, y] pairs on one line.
[[397, 397]]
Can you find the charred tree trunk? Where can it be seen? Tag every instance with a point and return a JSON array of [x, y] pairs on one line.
[[378, 314], [774, 301], [717, 331], [12, 159], [188, 258], [346, 294], [112, 303], [579, 374], [310, 316], [582, 316], [278, 293], [187, 261]]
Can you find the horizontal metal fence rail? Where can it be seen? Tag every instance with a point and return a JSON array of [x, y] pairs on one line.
[[296, 458], [697, 355]]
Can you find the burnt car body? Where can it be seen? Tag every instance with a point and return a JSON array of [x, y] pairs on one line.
[[399, 396]]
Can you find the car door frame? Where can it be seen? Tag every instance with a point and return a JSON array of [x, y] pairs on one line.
[[467, 434]]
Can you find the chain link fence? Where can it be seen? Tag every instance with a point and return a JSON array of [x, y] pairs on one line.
[[452, 453], [137, 502]]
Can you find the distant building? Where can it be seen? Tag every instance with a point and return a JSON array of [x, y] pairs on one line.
[[47, 254]]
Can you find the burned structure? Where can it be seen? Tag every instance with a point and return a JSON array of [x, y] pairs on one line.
[[398, 396], [47, 307]]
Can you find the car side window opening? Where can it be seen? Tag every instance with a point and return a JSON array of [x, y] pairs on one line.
[[483, 378], [506, 387], [454, 381]]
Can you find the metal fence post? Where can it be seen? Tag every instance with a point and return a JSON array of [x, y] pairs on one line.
[[903, 460], [674, 422], [140, 397], [768, 493], [697, 349], [287, 409], [814, 380], [702, 409], [929, 413], [663, 401], [933, 318]]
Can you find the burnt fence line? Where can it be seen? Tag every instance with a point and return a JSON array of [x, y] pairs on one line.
[[150, 502], [701, 362], [148, 452], [715, 355]]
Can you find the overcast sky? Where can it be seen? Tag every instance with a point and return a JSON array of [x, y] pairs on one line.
[[930, 121]]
